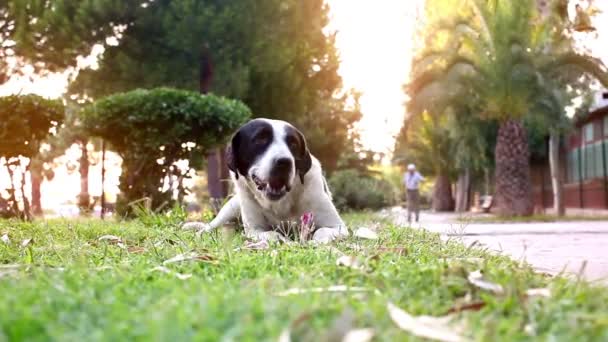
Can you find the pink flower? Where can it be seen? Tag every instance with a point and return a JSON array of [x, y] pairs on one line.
[[306, 219]]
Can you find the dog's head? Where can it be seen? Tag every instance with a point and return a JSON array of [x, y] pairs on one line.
[[271, 154]]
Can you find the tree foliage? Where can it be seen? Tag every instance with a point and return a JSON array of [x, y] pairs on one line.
[[154, 129], [273, 55], [512, 63], [25, 122]]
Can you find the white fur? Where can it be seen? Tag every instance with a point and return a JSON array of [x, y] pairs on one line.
[[261, 217]]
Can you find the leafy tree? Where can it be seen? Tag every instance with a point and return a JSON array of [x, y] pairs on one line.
[[25, 122], [154, 129], [69, 133], [503, 51], [272, 54], [425, 140]]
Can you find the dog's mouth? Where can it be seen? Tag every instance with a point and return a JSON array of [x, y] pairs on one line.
[[274, 189]]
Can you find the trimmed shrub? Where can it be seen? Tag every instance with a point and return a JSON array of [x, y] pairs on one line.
[[353, 191], [153, 129]]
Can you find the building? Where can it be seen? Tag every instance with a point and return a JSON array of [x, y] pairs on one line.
[[583, 162]]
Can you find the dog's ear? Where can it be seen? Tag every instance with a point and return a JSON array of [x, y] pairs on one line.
[[231, 154], [303, 159]]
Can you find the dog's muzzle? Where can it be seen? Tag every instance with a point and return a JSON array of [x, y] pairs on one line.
[[278, 183]]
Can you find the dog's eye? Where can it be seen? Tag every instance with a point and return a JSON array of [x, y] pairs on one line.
[[292, 143], [260, 140]]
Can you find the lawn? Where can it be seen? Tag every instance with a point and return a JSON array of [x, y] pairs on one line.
[[68, 285]]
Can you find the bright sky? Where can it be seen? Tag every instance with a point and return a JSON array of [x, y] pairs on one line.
[[375, 44]]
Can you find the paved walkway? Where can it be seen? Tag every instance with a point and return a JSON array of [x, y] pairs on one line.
[[550, 247]]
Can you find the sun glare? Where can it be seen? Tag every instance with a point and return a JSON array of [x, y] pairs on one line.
[[375, 42]]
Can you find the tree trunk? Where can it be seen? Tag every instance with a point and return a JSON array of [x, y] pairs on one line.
[[442, 194], [513, 181], [556, 178], [36, 181], [26, 202], [462, 191], [216, 167], [84, 199], [214, 179]]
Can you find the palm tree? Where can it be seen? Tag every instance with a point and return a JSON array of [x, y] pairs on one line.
[[425, 140], [507, 55]]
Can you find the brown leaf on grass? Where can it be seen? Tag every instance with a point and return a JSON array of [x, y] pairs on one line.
[[434, 328], [5, 239], [538, 292], [136, 249], [26, 242], [110, 239], [178, 275], [471, 306], [365, 233], [192, 256], [359, 335], [476, 279], [350, 261], [334, 288]]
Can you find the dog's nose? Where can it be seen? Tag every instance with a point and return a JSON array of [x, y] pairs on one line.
[[282, 164]]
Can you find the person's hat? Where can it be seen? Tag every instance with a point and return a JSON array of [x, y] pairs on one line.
[[411, 167]]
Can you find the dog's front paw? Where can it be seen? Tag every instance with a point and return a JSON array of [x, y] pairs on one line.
[[197, 226], [327, 235], [270, 236]]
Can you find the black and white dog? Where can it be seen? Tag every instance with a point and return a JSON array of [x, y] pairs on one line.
[[276, 180]]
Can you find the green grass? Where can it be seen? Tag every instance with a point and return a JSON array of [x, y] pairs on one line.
[[68, 286], [533, 218]]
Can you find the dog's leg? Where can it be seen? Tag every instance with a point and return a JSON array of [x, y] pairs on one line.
[[228, 212], [268, 235], [327, 218], [327, 235]]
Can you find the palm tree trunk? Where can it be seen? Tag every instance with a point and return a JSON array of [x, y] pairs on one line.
[[513, 181], [556, 179], [442, 194], [462, 191]]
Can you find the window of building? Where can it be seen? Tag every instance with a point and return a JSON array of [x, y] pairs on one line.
[[588, 131], [573, 170]]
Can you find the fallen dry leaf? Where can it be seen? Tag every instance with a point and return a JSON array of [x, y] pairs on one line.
[[472, 306], [192, 256], [335, 288], [476, 279], [255, 245], [538, 292], [349, 261], [434, 328], [136, 250], [365, 233], [110, 238], [5, 239], [178, 275], [26, 242], [359, 335]]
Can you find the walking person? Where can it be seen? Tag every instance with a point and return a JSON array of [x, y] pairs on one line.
[[411, 180]]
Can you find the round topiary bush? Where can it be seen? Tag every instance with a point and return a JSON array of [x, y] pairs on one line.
[[153, 129]]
